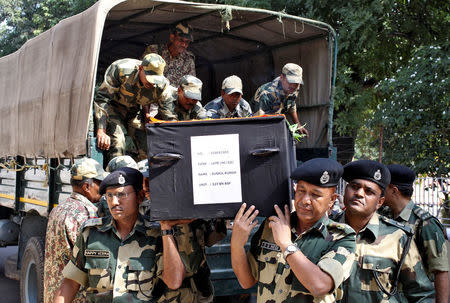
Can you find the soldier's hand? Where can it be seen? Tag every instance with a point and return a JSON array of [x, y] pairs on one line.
[[281, 227], [243, 224], [303, 130], [103, 140]]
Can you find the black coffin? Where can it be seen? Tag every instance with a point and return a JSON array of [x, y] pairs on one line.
[[206, 169]]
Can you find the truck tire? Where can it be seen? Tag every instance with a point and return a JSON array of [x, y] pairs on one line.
[[32, 272]]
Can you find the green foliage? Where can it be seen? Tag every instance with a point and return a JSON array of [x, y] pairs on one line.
[[415, 112], [25, 19], [378, 40]]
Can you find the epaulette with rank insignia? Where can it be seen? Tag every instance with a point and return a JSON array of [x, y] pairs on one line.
[[403, 227], [422, 214], [92, 222], [341, 226]]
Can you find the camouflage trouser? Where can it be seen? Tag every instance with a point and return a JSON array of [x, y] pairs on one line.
[[117, 128], [140, 140]]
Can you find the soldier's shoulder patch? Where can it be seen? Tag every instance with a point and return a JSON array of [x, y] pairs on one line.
[[392, 222], [92, 222], [421, 213]]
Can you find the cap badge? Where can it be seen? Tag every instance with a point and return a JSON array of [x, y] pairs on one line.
[[325, 178], [377, 175], [121, 180]]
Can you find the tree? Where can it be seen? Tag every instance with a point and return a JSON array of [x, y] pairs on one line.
[[377, 40], [415, 112], [25, 19]]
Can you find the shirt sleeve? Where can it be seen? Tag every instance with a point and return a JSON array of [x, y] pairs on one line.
[[433, 239], [339, 260], [262, 102], [75, 269], [105, 94]]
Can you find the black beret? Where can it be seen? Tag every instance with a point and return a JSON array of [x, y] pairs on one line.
[[401, 175], [368, 170], [122, 177], [322, 172]]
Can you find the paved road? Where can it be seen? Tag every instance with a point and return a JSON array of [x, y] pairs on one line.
[[9, 289]]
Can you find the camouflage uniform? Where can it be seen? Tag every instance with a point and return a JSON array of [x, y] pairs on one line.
[[379, 248], [176, 67], [428, 235], [112, 269], [271, 99], [174, 111], [191, 240], [217, 109], [327, 244], [64, 222], [118, 102]]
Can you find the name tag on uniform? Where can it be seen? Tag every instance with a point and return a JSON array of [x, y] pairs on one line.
[[96, 253], [270, 246]]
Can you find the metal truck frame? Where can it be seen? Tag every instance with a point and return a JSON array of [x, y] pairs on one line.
[[49, 83]]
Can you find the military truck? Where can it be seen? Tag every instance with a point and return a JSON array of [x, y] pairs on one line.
[[49, 83]]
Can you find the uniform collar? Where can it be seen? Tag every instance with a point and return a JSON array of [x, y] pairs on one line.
[[320, 226], [108, 224], [224, 108], [90, 207], [405, 214], [372, 228]]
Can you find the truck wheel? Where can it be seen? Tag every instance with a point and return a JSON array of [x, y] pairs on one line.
[[32, 272]]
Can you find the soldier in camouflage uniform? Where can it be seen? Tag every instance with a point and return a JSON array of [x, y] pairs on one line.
[[387, 266], [278, 96], [230, 104], [185, 103], [179, 60], [301, 256], [129, 85], [65, 220], [428, 231], [119, 258]]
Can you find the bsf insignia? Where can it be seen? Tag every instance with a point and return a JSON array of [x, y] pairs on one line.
[[121, 180], [325, 178], [96, 253], [377, 175]]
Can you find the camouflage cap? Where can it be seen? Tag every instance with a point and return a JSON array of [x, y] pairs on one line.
[[87, 168], [232, 84], [293, 73], [121, 161], [184, 30], [153, 66], [143, 167], [192, 87]]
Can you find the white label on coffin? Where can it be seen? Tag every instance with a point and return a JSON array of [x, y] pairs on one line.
[[216, 169]]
